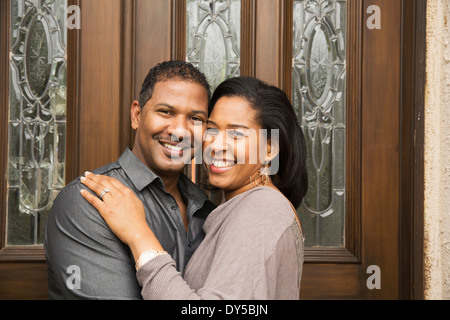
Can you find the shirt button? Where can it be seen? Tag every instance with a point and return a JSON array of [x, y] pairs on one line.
[[174, 207]]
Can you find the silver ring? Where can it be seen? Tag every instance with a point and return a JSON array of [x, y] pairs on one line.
[[105, 191]]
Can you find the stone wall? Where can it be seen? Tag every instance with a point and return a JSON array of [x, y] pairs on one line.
[[437, 152]]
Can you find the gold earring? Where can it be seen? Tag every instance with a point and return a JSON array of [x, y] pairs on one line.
[[265, 178], [265, 175]]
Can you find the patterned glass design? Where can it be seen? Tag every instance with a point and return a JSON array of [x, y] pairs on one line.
[[37, 116], [319, 96], [213, 38]]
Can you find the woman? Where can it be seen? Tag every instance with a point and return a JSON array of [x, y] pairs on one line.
[[253, 248]]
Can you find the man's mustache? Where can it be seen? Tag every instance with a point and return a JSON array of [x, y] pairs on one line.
[[181, 141]]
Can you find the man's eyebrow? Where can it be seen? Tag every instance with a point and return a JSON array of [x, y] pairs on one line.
[[200, 112], [173, 108], [165, 105]]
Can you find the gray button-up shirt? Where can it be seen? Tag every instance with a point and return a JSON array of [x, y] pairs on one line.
[[87, 261]]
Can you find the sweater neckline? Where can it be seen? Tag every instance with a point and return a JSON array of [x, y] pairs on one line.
[[217, 214]]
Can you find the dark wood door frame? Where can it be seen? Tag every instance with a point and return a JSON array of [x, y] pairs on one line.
[[412, 150], [4, 102]]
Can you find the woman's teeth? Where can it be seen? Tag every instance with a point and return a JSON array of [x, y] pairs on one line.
[[172, 147], [222, 164]]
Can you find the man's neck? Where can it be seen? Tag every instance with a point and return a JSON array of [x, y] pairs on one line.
[[171, 184]]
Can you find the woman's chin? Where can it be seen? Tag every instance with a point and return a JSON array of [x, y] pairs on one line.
[[220, 182]]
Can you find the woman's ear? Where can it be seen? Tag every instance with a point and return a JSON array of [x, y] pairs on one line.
[[272, 159], [136, 113], [273, 149]]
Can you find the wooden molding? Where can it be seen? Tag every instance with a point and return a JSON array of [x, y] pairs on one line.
[[248, 37], [417, 234], [73, 101], [178, 30], [22, 254], [330, 255], [286, 47], [4, 102], [412, 150], [128, 59], [354, 130]]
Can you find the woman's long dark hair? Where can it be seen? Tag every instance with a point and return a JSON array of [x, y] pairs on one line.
[[274, 111]]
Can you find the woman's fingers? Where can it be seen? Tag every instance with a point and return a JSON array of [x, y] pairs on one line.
[[103, 189], [113, 182], [95, 185], [121, 209], [93, 200], [105, 181]]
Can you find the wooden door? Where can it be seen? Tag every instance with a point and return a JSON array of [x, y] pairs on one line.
[[379, 90]]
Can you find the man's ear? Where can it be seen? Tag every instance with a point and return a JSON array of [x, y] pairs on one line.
[[136, 113]]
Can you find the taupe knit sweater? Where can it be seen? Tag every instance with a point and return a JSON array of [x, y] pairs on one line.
[[253, 250]]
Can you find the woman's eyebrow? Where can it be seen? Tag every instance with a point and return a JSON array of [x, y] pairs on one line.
[[238, 126], [234, 126]]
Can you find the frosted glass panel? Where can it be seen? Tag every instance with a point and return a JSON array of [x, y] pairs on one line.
[[37, 116], [213, 44], [213, 38], [319, 87]]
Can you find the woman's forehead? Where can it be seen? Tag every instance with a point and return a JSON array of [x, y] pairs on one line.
[[234, 111]]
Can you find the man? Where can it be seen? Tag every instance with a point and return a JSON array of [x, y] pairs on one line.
[[85, 259]]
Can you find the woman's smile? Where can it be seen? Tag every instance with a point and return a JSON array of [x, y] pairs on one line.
[[221, 166]]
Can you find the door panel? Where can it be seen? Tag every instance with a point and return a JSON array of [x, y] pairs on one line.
[[331, 281], [381, 96], [26, 280], [100, 84]]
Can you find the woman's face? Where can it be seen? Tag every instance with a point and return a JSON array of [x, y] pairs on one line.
[[231, 146]]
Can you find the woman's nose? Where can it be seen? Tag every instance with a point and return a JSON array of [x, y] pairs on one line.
[[220, 143]]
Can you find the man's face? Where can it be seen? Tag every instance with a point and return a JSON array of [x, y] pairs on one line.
[[166, 125]]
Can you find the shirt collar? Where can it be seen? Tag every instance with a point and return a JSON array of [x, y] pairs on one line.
[[139, 174]]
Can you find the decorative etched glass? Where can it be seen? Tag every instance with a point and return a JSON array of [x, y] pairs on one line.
[[213, 38], [319, 96], [37, 116], [213, 44]]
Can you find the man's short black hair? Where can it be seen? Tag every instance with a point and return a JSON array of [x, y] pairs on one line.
[[170, 70]]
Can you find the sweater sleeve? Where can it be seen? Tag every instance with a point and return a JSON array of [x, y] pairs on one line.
[[160, 280]]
